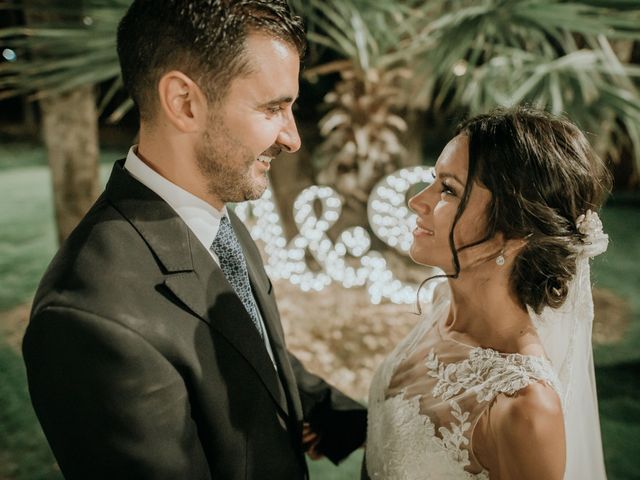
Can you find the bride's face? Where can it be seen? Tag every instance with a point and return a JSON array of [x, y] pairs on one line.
[[436, 207]]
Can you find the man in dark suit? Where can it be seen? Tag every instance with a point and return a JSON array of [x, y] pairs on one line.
[[155, 349]]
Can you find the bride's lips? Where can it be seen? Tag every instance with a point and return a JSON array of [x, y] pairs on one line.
[[422, 230]]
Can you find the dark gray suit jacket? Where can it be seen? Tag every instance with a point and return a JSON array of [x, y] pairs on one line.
[[143, 363]]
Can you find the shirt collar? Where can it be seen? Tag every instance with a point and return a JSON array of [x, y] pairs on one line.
[[201, 218]]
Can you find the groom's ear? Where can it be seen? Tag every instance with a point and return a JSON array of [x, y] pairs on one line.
[[182, 102]]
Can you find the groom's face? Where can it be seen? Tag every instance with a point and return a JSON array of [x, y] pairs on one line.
[[253, 123]]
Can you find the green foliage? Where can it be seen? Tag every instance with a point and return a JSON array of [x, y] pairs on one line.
[[619, 270], [63, 48], [556, 55], [360, 30], [466, 56], [469, 57]]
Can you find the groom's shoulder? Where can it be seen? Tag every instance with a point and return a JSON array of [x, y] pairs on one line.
[[103, 238], [101, 257]]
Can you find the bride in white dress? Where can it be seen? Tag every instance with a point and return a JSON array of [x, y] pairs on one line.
[[496, 380]]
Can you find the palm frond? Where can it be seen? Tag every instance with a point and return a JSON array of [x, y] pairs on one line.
[[79, 48], [549, 53]]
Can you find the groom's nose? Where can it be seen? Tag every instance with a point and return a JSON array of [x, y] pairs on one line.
[[288, 138]]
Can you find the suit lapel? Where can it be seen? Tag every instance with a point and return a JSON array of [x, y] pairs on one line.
[[260, 284], [219, 305], [191, 274]]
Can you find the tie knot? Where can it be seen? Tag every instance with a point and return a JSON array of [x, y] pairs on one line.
[[226, 244]]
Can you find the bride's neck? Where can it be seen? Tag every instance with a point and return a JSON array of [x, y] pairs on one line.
[[484, 311]]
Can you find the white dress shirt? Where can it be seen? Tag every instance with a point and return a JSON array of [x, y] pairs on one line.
[[201, 218]]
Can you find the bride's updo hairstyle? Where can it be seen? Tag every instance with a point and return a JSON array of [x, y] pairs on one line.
[[542, 174]]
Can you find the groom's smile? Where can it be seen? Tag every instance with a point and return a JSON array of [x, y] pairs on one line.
[[253, 123]]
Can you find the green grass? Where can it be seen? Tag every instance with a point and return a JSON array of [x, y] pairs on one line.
[[27, 230], [24, 454], [349, 469], [619, 399], [27, 242], [20, 155], [27, 236], [619, 271]]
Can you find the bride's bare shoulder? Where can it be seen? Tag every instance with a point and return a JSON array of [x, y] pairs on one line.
[[529, 408], [528, 431]]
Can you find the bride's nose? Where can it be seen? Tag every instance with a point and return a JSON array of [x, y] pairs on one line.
[[419, 202]]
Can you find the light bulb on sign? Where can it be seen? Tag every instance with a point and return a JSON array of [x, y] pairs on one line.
[[389, 218]]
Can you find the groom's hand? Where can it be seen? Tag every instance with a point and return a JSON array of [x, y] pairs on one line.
[[310, 441]]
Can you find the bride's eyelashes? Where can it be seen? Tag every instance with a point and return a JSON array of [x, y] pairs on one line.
[[446, 189]]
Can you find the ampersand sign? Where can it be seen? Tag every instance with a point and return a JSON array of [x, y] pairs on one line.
[[389, 218]]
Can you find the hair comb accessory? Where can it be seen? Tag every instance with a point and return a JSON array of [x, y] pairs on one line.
[[595, 241]]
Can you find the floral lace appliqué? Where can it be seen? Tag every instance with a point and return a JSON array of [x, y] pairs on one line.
[[408, 440], [488, 373], [403, 444], [453, 440]]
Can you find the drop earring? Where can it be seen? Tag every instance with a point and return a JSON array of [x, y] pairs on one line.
[[500, 258]]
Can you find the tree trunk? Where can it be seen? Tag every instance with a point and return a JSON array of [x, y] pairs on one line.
[[70, 131]]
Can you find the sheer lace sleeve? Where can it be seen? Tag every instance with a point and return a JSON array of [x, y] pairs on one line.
[[427, 397]]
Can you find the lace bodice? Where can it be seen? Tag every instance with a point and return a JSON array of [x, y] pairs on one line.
[[427, 397]]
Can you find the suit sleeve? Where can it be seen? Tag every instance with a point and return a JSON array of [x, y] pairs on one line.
[[110, 405], [340, 420]]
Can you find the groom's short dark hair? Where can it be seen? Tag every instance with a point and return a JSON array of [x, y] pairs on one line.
[[204, 39]]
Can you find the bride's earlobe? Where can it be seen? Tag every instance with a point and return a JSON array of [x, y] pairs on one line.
[[511, 248]]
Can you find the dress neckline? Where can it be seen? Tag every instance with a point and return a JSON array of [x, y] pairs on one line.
[[447, 338]]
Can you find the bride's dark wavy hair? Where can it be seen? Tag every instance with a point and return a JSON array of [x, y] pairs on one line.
[[542, 174]]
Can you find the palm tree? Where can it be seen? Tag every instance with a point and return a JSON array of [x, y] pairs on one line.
[[466, 57], [362, 130], [64, 46], [556, 55], [64, 49]]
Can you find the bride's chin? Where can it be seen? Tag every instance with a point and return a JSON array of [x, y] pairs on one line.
[[420, 261]]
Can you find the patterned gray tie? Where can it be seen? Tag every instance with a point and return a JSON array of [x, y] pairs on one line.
[[234, 267]]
